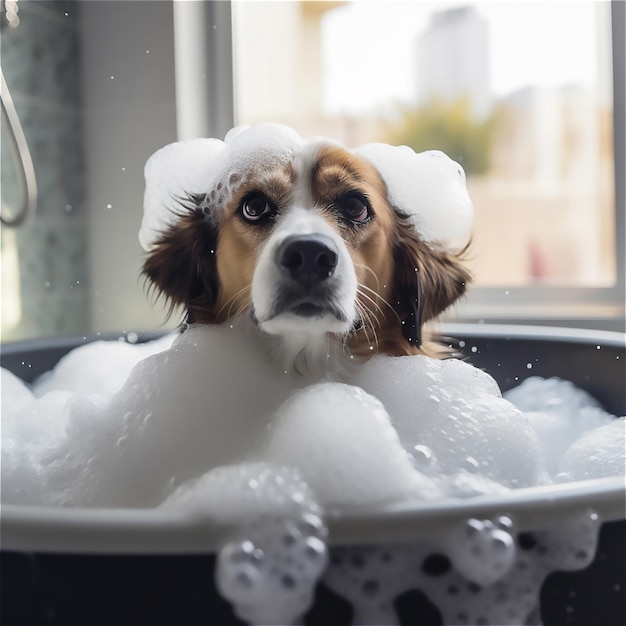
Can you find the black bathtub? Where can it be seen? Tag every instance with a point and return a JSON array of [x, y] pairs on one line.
[[89, 566]]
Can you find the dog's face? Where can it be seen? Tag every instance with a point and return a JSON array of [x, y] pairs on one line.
[[309, 246]]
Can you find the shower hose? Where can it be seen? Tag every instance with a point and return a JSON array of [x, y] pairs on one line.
[[24, 163]]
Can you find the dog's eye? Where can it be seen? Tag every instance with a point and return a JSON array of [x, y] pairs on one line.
[[255, 207], [355, 208]]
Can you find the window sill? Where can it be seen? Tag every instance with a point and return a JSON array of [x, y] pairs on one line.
[[584, 315]]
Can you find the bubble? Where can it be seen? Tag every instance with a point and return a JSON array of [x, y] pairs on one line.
[[482, 552]]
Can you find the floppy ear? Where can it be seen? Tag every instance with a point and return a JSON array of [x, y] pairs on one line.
[[429, 194], [181, 265], [427, 280]]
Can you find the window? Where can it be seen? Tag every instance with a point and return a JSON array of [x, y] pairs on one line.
[[521, 94], [528, 96]]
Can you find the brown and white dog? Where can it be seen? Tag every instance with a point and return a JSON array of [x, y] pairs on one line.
[[306, 238]]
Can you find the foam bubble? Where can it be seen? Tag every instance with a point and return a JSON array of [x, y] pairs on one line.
[[559, 412], [173, 173], [276, 550], [305, 434], [596, 454], [161, 429], [484, 572], [481, 551], [206, 166], [456, 411], [428, 186], [88, 369]]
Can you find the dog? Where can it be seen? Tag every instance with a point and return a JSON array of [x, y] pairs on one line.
[[314, 242]]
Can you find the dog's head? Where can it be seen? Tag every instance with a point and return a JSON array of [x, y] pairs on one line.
[[309, 238]]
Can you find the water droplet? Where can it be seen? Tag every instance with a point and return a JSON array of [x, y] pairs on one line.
[[529, 366], [132, 337], [423, 455], [471, 464]]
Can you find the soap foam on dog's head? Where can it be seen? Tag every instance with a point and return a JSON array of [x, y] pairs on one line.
[[428, 186]]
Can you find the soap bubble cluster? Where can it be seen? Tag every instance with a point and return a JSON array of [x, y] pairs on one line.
[[579, 438], [482, 572], [276, 549], [483, 552]]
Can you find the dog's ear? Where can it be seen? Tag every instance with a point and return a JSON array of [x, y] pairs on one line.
[[427, 280], [181, 264]]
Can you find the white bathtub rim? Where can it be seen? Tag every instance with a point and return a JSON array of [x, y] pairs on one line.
[[176, 531], [608, 338]]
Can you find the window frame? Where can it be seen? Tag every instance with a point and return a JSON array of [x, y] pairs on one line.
[[587, 307]]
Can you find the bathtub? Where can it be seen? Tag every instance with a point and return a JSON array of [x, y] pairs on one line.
[[90, 566]]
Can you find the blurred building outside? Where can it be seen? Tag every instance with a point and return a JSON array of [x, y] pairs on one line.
[[544, 207]]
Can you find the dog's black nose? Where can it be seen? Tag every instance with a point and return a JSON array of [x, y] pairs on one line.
[[308, 258]]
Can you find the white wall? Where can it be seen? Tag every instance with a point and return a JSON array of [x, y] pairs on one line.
[[127, 55]]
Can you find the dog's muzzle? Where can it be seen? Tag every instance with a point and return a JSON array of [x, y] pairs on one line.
[[306, 264]]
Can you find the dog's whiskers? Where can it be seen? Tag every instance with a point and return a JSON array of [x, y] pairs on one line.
[[366, 316], [362, 294], [373, 291], [237, 300]]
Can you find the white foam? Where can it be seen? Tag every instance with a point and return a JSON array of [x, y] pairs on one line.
[[212, 426], [428, 186], [276, 549], [173, 173], [30, 427], [180, 413], [560, 413], [439, 427], [483, 572], [457, 412], [597, 453], [101, 367], [481, 551], [204, 167], [306, 434]]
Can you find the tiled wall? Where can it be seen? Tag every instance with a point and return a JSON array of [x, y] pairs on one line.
[[40, 61]]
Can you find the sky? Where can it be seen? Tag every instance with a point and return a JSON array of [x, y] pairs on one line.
[[370, 47]]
